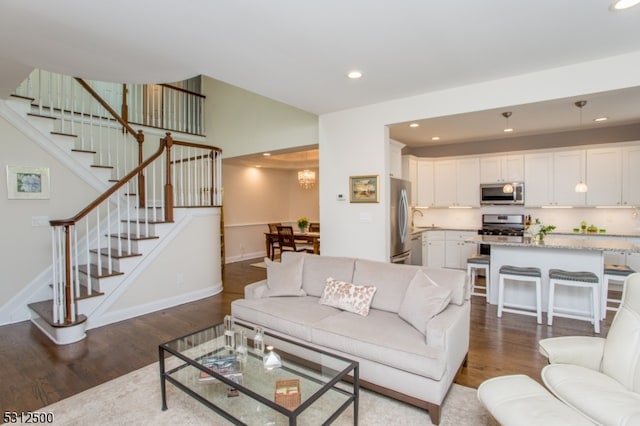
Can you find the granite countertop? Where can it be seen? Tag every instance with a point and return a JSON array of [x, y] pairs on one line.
[[597, 244], [418, 229], [630, 234]]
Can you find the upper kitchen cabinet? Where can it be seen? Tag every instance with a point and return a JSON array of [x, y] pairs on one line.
[[457, 182], [395, 158], [502, 168], [550, 178], [420, 172], [612, 176]]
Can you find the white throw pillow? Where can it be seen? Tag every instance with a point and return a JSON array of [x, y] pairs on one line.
[[347, 296], [423, 300], [284, 279]]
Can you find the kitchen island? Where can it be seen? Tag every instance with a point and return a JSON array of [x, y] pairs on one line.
[[555, 252]]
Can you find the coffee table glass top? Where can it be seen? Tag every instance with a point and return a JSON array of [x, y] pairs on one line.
[[307, 388]]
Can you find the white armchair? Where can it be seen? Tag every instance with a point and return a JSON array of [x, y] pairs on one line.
[[599, 377]]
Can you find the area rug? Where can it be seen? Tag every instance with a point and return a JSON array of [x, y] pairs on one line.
[[134, 399]]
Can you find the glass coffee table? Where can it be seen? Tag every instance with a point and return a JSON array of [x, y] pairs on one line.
[[310, 387]]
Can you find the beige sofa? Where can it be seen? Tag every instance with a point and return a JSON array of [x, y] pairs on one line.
[[411, 339]]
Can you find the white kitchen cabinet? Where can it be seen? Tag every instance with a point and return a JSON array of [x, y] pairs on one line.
[[433, 252], [457, 251], [604, 176], [502, 168], [395, 158], [631, 176], [612, 176], [551, 177], [456, 182], [410, 173], [420, 172]]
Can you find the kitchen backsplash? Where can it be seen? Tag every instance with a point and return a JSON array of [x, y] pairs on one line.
[[613, 220]]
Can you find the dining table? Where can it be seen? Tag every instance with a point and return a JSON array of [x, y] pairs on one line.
[[312, 238]]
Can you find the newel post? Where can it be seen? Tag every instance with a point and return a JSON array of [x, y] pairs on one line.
[[168, 186], [125, 106], [141, 184], [68, 300]]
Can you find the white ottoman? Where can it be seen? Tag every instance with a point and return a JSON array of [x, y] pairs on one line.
[[520, 400]]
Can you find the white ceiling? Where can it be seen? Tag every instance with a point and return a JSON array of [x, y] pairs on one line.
[[298, 52]]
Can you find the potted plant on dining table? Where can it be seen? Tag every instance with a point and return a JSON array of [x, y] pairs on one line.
[[303, 222]]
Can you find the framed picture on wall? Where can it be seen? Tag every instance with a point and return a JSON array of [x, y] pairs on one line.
[[28, 183], [364, 189]]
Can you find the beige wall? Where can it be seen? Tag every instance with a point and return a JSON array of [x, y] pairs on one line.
[[26, 251], [254, 197], [242, 122]]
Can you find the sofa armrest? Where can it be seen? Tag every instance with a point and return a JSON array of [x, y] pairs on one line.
[[449, 330], [585, 351], [255, 290]]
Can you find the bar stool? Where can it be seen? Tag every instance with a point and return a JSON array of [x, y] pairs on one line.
[[516, 273], [587, 280], [476, 263], [612, 272]]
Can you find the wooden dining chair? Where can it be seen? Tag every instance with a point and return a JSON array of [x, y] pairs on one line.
[[288, 242], [274, 241], [314, 227]]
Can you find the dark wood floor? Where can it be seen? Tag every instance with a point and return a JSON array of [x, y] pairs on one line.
[[34, 372]]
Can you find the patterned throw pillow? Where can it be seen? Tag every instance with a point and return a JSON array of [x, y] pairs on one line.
[[347, 296]]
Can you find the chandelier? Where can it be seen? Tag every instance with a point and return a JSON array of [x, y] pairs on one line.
[[306, 178]]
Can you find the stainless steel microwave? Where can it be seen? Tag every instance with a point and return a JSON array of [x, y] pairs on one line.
[[502, 193]]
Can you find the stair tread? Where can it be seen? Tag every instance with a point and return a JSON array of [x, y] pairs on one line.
[[100, 166], [114, 253], [134, 237], [44, 309], [71, 135], [84, 150], [33, 114], [13, 95], [143, 222], [103, 273]]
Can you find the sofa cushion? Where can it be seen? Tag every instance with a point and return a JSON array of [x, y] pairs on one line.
[[423, 300], [391, 280], [456, 280], [293, 316], [318, 268], [601, 398], [284, 279], [381, 337], [347, 296]]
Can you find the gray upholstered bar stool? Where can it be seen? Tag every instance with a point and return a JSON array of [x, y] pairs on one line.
[[517, 273], [476, 263], [587, 280], [617, 273]]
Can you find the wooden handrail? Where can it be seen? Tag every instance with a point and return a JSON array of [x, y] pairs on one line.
[[112, 111], [111, 190]]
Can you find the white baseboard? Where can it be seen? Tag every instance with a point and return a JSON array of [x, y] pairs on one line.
[[245, 256]]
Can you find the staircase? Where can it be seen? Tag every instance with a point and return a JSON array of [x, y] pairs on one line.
[[96, 251]]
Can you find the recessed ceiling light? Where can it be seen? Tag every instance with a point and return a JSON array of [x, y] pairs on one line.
[[435, 138], [508, 130], [266, 154], [354, 74], [414, 125], [623, 4], [599, 119]]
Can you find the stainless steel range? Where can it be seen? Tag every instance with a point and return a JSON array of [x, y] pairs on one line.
[[501, 227]]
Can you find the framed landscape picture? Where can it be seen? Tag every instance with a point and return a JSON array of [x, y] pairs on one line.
[[364, 189], [28, 183]]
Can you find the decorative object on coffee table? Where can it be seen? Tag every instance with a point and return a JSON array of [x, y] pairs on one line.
[[287, 393]]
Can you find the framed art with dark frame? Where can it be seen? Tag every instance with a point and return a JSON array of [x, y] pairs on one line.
[[364, 189], [28, 183]]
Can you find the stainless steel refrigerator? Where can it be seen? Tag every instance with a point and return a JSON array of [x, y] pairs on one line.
[[400, 190]]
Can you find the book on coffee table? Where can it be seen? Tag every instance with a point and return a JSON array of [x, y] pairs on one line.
[[227, 366]]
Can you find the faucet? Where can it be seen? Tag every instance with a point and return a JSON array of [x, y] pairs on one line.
[[413, 213]]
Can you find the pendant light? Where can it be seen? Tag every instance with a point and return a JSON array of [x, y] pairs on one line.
[[581, 186], [506, 116]]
